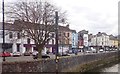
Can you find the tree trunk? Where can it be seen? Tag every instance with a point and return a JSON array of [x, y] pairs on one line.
[[40, 48]]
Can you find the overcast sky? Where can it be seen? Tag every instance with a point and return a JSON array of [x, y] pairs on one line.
[[91, 15]]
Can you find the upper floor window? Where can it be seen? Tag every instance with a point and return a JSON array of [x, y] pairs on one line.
[[68, 34], [64, 34], [68, 41], [28, 41], [18, 35], [53, 35], [1, 34], [52, 41], [59, 33], [10, 35]]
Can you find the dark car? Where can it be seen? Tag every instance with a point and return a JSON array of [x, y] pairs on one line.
[[45, 56], [27, 54]]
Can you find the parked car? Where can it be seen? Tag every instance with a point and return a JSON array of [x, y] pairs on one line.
[[35, 55], [101, 50], [88, 51], [65, 54], [70, 51], [16, 54], [45, 56], [93, 50], [5, 54], [27, 54]]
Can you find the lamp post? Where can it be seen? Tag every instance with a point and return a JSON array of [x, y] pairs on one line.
[[3, 45], [56, 39]]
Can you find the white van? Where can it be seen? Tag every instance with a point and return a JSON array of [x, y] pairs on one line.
[[93, 50]]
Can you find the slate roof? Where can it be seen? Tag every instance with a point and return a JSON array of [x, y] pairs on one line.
[[10, 26]]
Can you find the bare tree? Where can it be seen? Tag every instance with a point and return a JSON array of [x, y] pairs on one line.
[[35, 20]]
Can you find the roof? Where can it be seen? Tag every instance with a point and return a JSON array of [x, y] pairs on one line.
[[64, 28], [8, 26], [113, 37], [73, 31], [14, 26], [100, 34], [83, 32], [61, 28]]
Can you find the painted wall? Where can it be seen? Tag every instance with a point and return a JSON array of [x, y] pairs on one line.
[[74, 40]]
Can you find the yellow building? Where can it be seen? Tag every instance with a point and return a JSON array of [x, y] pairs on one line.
[[113, 41], [116, 43]]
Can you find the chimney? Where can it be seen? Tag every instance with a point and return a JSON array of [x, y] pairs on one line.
[[67, 26]]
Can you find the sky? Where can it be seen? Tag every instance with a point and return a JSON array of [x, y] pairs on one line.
[[92, 15]]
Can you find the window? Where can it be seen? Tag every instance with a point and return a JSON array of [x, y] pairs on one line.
[[60, 42], [18, 47], [102, 43], [52, 41], [68, 41], [64, 34], [1, 34], [53, 35], [28, 41], [10, 35], [59, 33], [68, 34], [18, 35]]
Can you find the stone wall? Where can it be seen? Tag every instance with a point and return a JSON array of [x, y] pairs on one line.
[[68, 63]]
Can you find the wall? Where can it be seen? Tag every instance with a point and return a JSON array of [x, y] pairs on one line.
[[48, 65]]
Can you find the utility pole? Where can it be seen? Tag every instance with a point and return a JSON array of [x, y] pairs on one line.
[[3, 45], [56, 39]]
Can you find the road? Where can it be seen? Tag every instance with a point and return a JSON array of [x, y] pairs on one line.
[[30, 58]]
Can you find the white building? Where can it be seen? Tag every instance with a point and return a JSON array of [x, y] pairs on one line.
[[85, 38], [12, 40], [101, 39], [15, 43]]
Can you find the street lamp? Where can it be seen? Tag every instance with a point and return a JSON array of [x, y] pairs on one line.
[[3, 45]]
